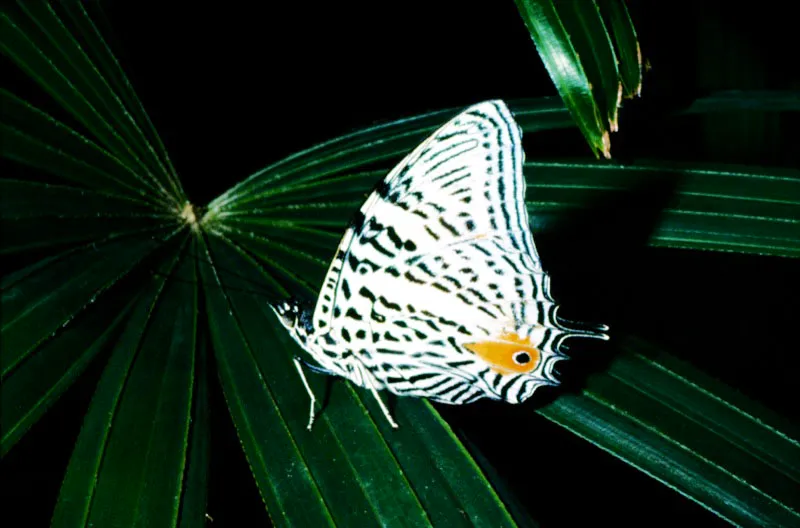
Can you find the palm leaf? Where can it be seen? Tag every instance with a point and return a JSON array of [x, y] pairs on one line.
[[139, 279], [591, 70]]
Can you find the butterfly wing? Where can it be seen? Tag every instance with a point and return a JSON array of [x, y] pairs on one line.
[[436, 288], [463, 183]]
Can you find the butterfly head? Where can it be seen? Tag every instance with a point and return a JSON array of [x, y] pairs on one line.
[[295, 316]]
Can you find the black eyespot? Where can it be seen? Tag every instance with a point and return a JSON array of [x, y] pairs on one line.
[[522, 358]]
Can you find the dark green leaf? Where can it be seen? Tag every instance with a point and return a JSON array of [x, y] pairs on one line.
[[18, 46], [691, 433], [35, 215], [720, 208], [72, 73], [132, 473], [747, 100], [21, 199], [552, 37], [29, 390], [33, 138], [79, 486], [195, 489], [588, 35], [92, 41], [61, 289], [626, 45]]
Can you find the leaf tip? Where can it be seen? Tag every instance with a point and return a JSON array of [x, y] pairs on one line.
[[606, 142]]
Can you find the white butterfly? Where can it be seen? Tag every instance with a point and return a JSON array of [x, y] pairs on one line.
[[436, 289]]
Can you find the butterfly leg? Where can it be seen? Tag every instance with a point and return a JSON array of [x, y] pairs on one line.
[[380, 402], [298, 363]]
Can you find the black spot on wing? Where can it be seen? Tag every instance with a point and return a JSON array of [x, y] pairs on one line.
[[412, 278], [441, 287], [431, 233], [455, 282], [511, 263], [382, 189], [487, 312], [379, 248], [357, 223], [477, 294], [422, 266], [353, 314], [482, 250], [393, 236], [364, 292], [346, 289], [388, 304], [449, 227]]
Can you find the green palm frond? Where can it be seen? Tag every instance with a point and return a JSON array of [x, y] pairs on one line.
[[593, 62], [114, 266]]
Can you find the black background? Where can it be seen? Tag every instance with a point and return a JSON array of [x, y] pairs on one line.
[[234, 86]]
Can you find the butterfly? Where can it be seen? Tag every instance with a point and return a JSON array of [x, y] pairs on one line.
[[436, 289]]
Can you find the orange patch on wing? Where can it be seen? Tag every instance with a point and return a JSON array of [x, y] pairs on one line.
[[499, 353]]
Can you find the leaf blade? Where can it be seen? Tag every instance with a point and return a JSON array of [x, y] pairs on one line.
[[563, 63], [73, 507], [691, 459], [27, 323], [140, 479]]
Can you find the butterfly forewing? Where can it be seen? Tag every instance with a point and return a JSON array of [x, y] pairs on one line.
[[462, 190]]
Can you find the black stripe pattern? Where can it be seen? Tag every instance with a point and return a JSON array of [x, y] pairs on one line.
[[440, 256]]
